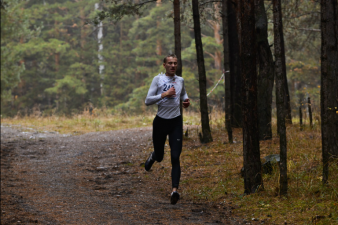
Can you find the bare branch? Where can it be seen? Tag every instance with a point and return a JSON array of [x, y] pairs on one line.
[[208, 2], [116, 12], [211, 23], [210, 54], [305, 14], [307, 29], [142, 3]]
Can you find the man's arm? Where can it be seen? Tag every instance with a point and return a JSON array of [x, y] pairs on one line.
[[186, 103], [152, 96], [184, 97], [184, 94], [169, 93]]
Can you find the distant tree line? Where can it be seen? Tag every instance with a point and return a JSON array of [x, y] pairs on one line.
[[56, 54]]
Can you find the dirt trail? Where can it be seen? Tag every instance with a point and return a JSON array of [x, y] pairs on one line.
[[96, 178]]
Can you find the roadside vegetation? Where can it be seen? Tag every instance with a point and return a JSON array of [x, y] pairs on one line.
[[211, 172]]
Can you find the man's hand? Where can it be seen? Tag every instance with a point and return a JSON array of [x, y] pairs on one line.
[[169, 93], [186, 103]]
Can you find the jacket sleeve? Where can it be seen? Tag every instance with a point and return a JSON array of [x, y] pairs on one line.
[[184, 94], [152, 96]]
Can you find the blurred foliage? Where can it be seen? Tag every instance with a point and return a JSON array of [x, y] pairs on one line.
[[15, 29], [301, 23], [50, 53]]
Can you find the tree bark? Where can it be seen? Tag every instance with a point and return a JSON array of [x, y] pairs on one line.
[[121, 51], [177, 34], [83, 28], [280, 93], [158, 41], [235, 65], [178, 48], [329, 83], [57, 61], [206, 133], [215, 25], [226, 69], [300, 115], [100, 48], [310, 111], [287, 104], [266, 73], [217, 28], [251, 154]]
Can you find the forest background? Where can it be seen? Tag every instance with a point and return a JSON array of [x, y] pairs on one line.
[[56, 61]]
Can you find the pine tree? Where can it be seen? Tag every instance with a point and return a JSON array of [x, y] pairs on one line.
[[329, 83], [280, 94], [266, 73], [251, 152], [206, 133]]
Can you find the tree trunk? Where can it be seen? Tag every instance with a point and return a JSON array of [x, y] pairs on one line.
[[226, 69], [158, 41], [121, 52], [83, 28], [329, 83], [218, 60], [251, 154], [206, 133], [177, 34], [235, 66], [287, 105], [100, 48], [57, 61], [217, 28], [266, 73], [280, 93], [310, 111], [300, 115]]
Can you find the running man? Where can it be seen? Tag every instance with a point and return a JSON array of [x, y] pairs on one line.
[[166, 91]]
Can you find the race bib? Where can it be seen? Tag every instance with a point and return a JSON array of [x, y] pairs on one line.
[[165, 83]]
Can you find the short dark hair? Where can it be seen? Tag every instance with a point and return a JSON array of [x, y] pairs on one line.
[[170, 55]]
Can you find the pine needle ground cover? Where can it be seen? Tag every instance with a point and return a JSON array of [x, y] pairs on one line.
[[211, 172]]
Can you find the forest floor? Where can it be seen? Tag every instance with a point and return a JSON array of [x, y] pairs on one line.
[[94, 178], [89, 169]]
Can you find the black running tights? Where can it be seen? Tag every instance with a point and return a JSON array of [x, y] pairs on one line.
[[173, 128]]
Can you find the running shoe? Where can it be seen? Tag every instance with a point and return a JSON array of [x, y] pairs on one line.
[[175, 196], [150, 161]]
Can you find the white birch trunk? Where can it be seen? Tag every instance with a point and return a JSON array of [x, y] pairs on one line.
[[99, 56]]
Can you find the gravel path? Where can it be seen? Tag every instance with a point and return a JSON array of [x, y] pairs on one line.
[[96, 178]]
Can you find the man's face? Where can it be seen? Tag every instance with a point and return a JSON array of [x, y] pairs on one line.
[[170, 66]]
